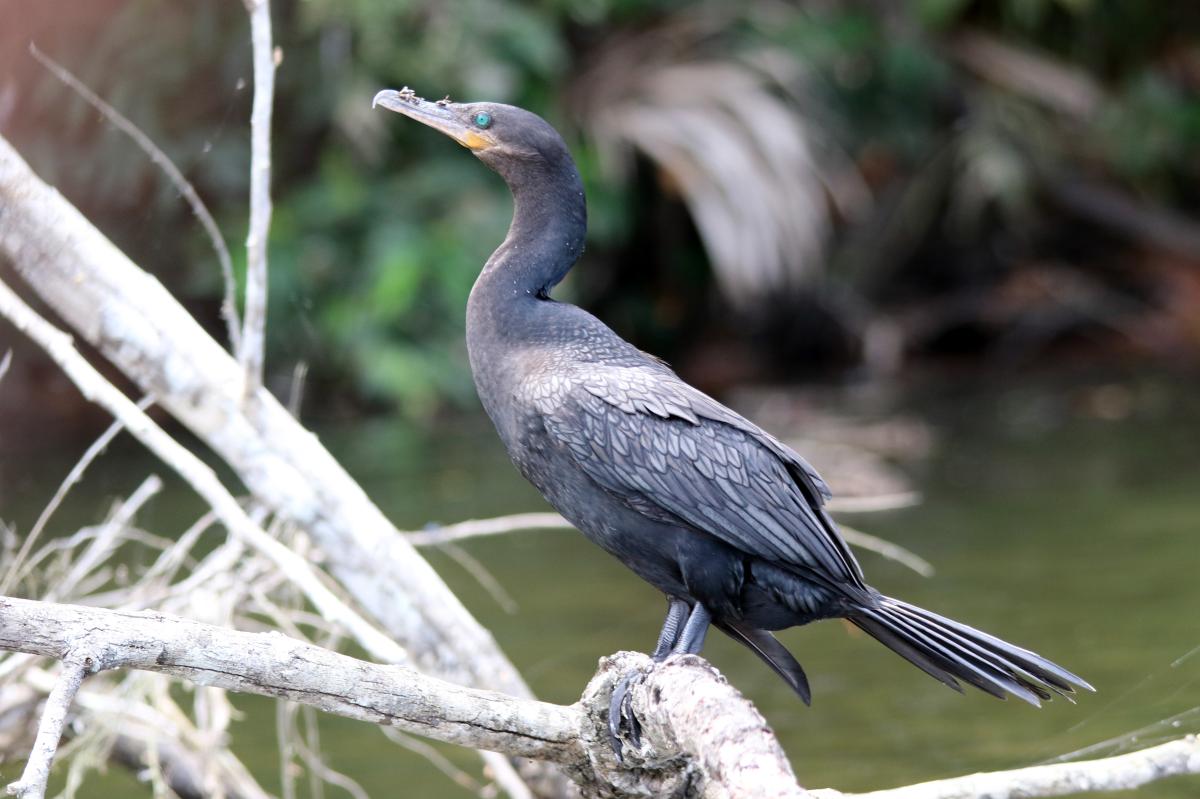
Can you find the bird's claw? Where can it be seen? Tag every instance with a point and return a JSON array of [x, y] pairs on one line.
[[620, 713]]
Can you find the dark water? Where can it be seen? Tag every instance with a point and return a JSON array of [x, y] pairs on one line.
[[1051, 525]]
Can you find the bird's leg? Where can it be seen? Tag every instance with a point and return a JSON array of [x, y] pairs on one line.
[[620, 709], [677, 612], [672, 641], [691, 640]]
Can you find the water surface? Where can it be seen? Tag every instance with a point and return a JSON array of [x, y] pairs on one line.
[[1051, 523]]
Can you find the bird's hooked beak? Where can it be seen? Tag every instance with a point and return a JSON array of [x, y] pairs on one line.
[[443, 115]]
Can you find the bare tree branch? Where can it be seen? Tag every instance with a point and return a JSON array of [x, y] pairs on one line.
[[271, 664], [32, 784], [254, 331], [182, 184]]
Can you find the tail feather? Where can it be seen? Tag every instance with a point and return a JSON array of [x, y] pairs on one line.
[[896, 642], [947, 650], [773, 653], [1051, 673], [1003, 663], [959, 657]]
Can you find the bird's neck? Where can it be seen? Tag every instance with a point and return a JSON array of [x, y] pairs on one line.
[[508, 309], [546, 235]]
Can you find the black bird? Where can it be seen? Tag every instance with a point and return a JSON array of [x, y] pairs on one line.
[[716, 513]]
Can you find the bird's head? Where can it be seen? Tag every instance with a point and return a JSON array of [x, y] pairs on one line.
[[506, 138]]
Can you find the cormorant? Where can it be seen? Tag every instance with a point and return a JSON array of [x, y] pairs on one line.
[[719, 515]]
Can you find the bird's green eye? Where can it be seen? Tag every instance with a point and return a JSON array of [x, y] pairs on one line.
[[483, 119]]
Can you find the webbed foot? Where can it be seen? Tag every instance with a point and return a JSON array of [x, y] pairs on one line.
[[620, 713]]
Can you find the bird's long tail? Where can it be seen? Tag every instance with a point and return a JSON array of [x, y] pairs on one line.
[[950, 651]]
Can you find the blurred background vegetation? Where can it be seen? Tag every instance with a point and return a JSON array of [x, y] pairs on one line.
[[778, 191], [976, 201]]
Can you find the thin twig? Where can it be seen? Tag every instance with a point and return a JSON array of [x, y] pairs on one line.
[[485, 578], [296, 394], [253, 331], [195, 472], [887, 549], [32, 784], [168, 563], [873, 503], [182, 185], [311, 740], [5, 362], [506, 776], [103, 544], [73, 477], [285, 714], [323, 773], [441, 534], [437, 759]]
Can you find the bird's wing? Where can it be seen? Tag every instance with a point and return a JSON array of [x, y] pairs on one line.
[[660, 445]]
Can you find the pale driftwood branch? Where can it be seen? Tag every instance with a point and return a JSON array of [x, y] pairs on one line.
[[195, 472], [182, 185], [271, 664], [254, 331], [143, 330], [32, 784], [487, 581], [1118, 773]]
